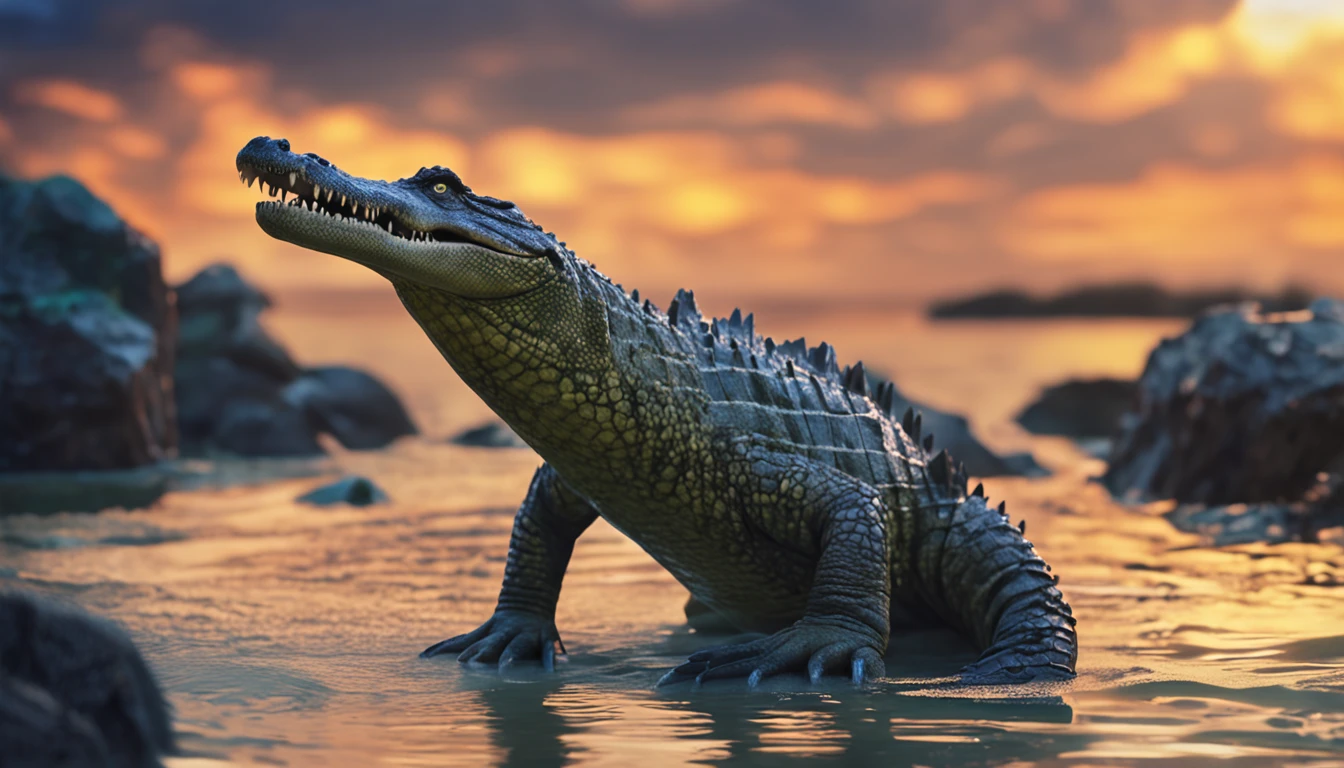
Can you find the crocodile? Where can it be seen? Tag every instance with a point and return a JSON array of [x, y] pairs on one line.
[[779, 488]]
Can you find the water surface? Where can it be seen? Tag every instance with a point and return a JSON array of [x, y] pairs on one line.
[[287, 635]]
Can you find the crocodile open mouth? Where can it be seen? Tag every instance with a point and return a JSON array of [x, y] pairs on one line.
[[294, 189]]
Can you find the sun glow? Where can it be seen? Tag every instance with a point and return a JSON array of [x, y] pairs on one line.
[[1277, 30]]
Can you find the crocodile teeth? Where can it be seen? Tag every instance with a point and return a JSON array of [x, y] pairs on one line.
[[293, 179], [317, 192]]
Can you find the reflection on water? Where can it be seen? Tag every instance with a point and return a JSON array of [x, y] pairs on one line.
[[287, 635]]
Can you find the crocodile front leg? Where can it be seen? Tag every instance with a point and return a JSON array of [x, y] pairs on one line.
[[550, 520], [805, 506]]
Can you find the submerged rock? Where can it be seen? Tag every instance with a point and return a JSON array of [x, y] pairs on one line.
[[1081, 408], [353, 490], [87, 333], [1317, 518], [492, 434], [240, 392], [1244, 407], [74, 689]]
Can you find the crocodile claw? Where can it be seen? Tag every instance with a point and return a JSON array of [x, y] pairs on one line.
[[506, 638], [814, 648]]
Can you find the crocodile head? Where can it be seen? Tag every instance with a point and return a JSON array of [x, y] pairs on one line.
[[429, 230], [509, 307]]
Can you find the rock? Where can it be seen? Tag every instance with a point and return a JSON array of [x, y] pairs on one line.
[[353, 490], [1112, 300], [240, 392], [352, 406], [87, 334], [1087, 408], [492, 434], [264, 427], [36, 731], [1244, 407], [80, 679]]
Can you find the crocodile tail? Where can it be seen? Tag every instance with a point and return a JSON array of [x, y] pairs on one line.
[[995, 586]]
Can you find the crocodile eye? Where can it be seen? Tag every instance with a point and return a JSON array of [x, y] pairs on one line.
[[440, 188]]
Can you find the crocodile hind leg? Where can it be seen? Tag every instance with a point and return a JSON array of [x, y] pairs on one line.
[[548, 523], [807, 507], [985, 577]]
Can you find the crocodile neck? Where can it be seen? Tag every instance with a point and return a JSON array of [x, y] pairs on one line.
[[545, 363]]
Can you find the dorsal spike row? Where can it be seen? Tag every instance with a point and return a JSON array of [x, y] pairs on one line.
[[735, 321], [753, 362], [886, 397], [979, 490], [1003, 508], [856, 379], [673, 311], [788, 368], [918, 427], [769, 346], [908, 421], [687, 300], [928, 443], [634, 295], [1022, 526], [822, 358], [940, 469], [649, 308]]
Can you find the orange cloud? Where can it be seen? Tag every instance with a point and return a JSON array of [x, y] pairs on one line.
[[941, 97], [72, 98], [136, 143], [781, 102], [1156, 70], [1184, 214]]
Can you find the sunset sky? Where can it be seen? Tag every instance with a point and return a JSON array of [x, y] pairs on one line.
[[876, 150]]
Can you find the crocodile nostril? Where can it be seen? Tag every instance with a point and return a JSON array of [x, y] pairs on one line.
[[283, 144]]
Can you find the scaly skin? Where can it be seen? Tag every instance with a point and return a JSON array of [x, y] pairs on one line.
[[770, 483]]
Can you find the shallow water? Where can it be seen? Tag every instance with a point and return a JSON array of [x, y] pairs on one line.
[[287, 635]]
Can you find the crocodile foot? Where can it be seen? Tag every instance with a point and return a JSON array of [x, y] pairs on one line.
[[508, 637], [817, 648]]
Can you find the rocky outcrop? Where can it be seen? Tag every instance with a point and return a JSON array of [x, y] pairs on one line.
[[1080, 408], [75, 691], [1244, 407], [87, 334], [240, 392], [1112, 300]]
